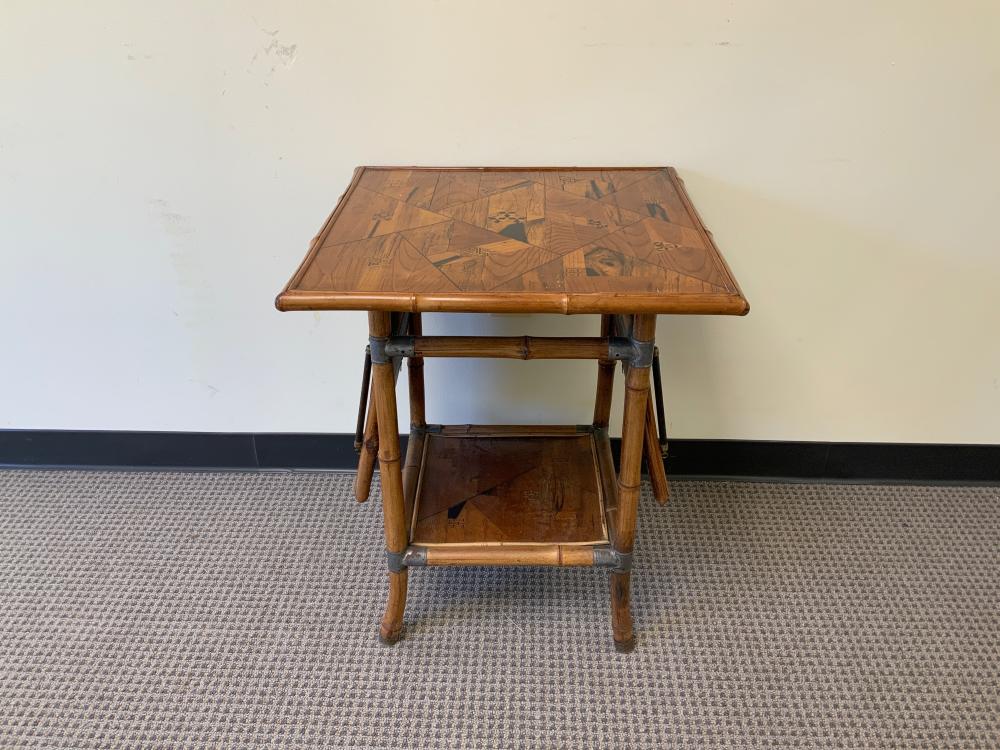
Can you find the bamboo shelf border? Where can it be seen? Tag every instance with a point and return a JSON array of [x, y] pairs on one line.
[[548, 555]]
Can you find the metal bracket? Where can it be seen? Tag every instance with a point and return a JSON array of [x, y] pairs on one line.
[[411, 557], [619, 347], [631, 352], [609, 557], [400, 346], [642, 354], [377, 347]]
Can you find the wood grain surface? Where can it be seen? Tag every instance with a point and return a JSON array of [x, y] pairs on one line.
[[494, 486], [515, 240]]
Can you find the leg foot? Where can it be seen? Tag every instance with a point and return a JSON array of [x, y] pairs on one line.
[[390, 640], [625, 647], [391, 628]]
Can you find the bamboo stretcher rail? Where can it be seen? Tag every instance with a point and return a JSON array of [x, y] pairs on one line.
[[511, 347], [551, 555], [508, 430]]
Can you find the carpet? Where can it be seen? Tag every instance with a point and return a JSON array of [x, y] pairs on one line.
[[190, 610]]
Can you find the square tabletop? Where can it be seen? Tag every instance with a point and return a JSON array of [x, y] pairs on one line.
[[505, 239]]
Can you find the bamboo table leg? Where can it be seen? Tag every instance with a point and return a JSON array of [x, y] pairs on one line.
[[415, 371], [393, 514], [418, 423], [605, 379], [366, 460], [654, 458], [629, 477], [369, 443], [602, 414]]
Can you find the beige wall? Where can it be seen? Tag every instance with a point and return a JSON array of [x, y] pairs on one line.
[[163, 165]]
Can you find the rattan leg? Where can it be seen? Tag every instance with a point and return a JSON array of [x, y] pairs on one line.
[[654, 458], [368, 456], [629, 478], [415, 372], [605, 379], [384, 391]]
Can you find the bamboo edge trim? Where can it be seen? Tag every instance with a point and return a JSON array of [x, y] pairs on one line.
[[701, 303], [547, 168]]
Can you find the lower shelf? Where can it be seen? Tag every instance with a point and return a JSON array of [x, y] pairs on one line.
[[516, 487]]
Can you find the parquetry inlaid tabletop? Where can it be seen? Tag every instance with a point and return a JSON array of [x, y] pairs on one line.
[[580, 240]]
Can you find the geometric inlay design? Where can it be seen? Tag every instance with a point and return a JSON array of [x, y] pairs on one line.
[[543, 231], [509, 490]]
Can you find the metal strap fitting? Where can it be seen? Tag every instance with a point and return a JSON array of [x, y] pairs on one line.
[[631, 352], [619, 347], [411, 557], [624, 562], [395, 560], [642, 354], [400, 346], [609, 557], [377, 346]]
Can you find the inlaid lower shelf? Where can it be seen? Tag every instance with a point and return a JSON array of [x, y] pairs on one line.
[[509, 495]]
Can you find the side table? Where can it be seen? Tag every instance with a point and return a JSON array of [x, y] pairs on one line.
[[625, 244]]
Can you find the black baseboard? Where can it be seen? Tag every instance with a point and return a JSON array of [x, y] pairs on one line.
[[755, 459]]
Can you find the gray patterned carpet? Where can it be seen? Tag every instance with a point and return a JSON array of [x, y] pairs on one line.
[[239, 610]]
